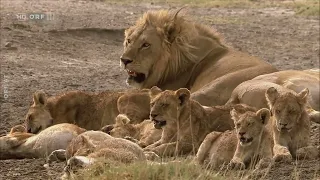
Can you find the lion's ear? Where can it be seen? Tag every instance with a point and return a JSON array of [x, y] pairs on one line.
[[303, 96], [107, 129], [171, 28], [39, 98], [155, 91], [234, 115], [122, 119], [263, 115], [183, 94], [271, 95]]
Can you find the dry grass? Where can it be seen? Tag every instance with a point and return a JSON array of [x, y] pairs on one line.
[[301, 7], [174, 170]]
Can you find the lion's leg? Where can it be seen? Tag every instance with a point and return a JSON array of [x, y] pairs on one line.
[[205, 146], [57, 155], [264, 163], [151, 146], [166, 149], [309, 152], [281, 153], [219, 90]]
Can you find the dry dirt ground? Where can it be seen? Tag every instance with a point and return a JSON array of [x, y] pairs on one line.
[[81, 46]]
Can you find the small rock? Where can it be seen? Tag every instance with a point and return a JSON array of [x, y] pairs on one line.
[[8, 44]]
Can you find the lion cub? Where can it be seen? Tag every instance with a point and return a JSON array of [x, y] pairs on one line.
[[92, 146], [143, 133], [250, 142], [290, 125], [87, 110], [184, 122], [20, 144]]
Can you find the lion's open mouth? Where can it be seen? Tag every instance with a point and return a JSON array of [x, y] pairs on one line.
[[159, 124], [136, 76], [244, 140]]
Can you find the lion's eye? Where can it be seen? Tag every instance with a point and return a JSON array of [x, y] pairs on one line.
[[151, 104], [145, 45], [163, 105], [278, 111], [238, 125], [128, 41], [291, 111]]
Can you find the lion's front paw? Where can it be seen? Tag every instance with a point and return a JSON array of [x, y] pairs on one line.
[[264, 163], [309, 152], [236, 165], [287, 157]]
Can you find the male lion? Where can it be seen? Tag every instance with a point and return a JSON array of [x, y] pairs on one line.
[[143, 133], [249, 143], [252, 92], [290, 125], [185, 122], [87, 110], [166, 50], [20, 144]]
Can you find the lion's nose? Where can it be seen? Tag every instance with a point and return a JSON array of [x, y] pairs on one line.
[[125, 61], [153, 115], [283, 124], [241, 133]]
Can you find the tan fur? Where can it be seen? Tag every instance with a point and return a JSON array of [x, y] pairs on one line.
[[219, 149], [18, 145], [252, 92], [87, 110], [172, 52], [183, 120], [18, 128], [95, 144], [143, 133], [290, 125]]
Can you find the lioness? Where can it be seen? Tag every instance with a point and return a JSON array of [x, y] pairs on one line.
[[250, 142], [290, 125], [185, 122], [143, 133], [252, 92], [87, 110], [166, 50], [20, 144]]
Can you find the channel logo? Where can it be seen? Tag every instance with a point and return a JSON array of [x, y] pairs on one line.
[[35, 16]]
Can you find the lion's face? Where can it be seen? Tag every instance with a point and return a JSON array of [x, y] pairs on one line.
[[37, 119], [165, 105], [286, 108], [142, 52], [249, 125], [121, 128], [38, 116], [122, 131]]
